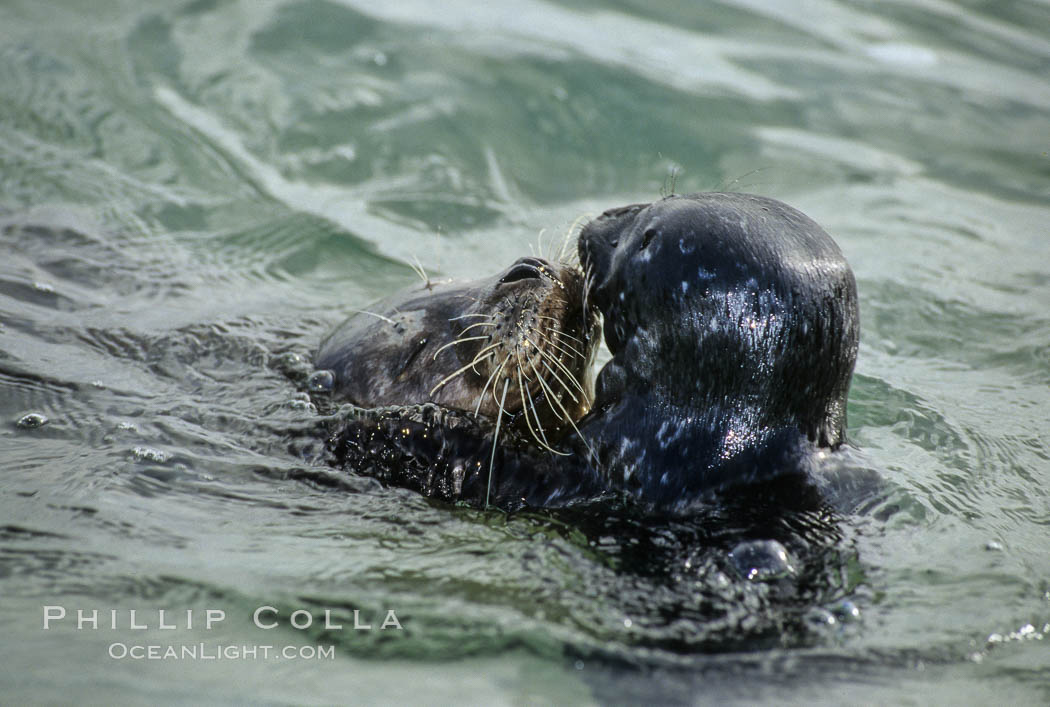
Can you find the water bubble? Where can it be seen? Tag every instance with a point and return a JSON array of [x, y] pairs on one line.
[[847, 610], [761, 560], [321, 381], [32, 421]]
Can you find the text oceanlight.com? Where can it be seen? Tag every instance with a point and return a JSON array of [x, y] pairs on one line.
[[201, 651]]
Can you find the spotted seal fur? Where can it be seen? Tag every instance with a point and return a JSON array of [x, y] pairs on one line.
[[734, 326], [521, 341]]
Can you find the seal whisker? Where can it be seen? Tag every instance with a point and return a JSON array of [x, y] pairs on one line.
[[548, 355], [588, 282], [566, 335], [545, 354], [525, 408], [568, 417], [535, 411], [574, 228], [568, 349], [554, 359], [466, 329], [522, 389], [495, 439], [460, 371], [477, 356], [459, 341], [478, 314], [418, 268], [373, 314], [552, 397], [561, 333], [557, 330], [565, 348], [495, 374], [560, 381]]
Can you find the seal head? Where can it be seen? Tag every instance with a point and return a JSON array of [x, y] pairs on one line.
[[733, 324], [523, 338]]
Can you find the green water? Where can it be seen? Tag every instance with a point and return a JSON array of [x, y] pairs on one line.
[[191, 190]]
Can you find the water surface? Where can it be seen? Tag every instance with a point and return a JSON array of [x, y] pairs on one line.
[[193, 192]]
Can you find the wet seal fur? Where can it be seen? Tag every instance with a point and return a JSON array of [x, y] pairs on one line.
[[734, 327], [733, 324], [522, 341]]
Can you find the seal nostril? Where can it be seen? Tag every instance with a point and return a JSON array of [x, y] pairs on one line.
[[524, 269], [520, 272]]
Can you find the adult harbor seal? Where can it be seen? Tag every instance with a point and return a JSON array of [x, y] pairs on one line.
[[522, 341], [733, 324], [734, 327]]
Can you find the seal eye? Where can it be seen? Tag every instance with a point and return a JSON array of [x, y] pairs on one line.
[[647, 237], [420, 345]]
